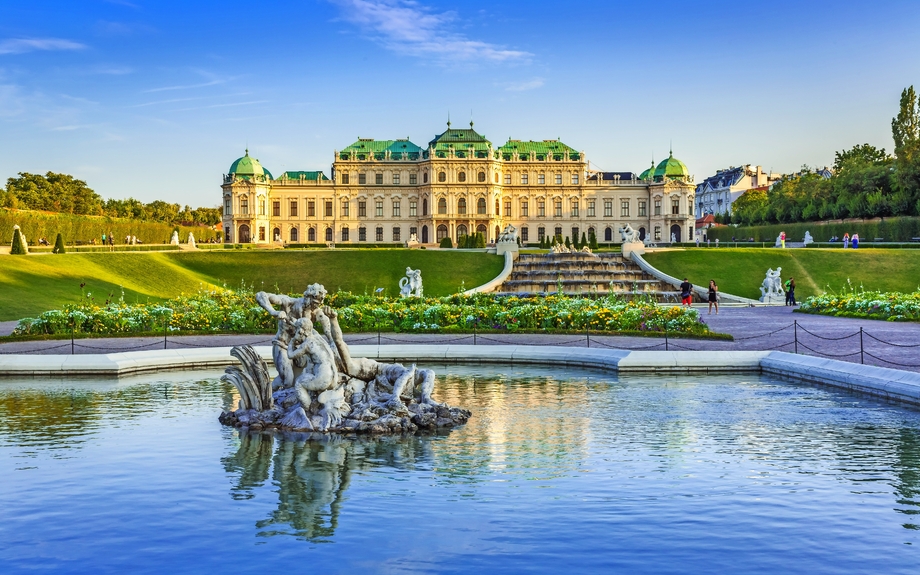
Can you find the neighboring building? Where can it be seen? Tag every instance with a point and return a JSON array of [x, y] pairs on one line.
[[382, 191], [715, 194]]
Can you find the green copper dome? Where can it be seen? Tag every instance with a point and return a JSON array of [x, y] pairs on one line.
[[649, 173], [248, 167], [671, 168]]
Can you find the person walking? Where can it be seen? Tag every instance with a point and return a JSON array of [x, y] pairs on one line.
[[782, 239], [686, 293], [713, 296], [846, 240], [855, 241], [790, 291]]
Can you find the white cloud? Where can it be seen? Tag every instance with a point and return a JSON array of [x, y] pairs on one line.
[[22, 45], [524, 86], [405, 26]]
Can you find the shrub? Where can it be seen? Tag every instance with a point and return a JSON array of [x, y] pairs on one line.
[[19, 247], [447, 243], [59, 244]]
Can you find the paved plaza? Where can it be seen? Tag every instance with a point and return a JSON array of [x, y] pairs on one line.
[[886, 344]]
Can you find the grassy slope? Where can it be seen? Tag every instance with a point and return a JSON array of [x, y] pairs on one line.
[[32, 284], [741, 271]]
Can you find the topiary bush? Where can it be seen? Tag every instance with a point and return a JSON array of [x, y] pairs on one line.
[[19, 248], [446, 243], [59, 244]]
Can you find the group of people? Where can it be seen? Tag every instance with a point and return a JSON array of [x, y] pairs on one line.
[[686, 294], [848, 241]]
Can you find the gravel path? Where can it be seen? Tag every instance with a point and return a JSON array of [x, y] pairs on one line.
[[758, 328]]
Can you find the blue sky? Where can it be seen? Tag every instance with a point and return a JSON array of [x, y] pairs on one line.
[[155, 99]]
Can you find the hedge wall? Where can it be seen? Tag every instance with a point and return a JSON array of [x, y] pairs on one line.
[[74, 228], [891, 229]]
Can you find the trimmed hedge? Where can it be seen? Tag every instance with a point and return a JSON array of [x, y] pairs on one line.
[[348, 245], [900, 229], [117, 248]]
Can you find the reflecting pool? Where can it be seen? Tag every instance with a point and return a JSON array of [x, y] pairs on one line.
[[574, 471]]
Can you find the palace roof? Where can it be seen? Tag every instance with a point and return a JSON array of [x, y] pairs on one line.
[[248, 167], [547, 149], [307, 176], [671, 168], [613, 176], [379, 149]]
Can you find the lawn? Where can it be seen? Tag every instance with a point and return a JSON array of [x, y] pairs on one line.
[[36, 283], [741, 271]]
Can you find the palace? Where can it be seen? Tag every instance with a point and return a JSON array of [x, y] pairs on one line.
[[383, 191]]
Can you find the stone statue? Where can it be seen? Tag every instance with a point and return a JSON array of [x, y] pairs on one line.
[[411, 285], [413, 242], [629, 235], [191, 240], [559, 249], [174, 240], [808, 238], [508, 235], [771, 290], [673, 238], [321, 387]]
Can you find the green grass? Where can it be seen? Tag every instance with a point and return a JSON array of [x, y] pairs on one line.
[[32, 284], [741, 271]]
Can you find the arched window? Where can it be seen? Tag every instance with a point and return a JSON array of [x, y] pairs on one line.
[[461, 177], [311, 235], [481, 206], [328, 234], [442, 177], [498, 210], [481, 229], [276, 235], [461, 206], [442, 232], [244, 234], [294, 236], [481, 177], [642, 234], [424, 177], [442, 206], [608, 234], [345, 233], [496, 177], [425, 205], [461, 231]]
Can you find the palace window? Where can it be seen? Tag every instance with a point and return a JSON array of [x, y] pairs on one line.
[[524, 210], [624, 208], [362, 179], [643, 209], [311, 235], [413, 208], [294, 235], [228, 210], [658, 208], [379, 234], [396, 234], [396, 179], [413, 179], [657, 233], [574, 208], [496, 177], [344, 233], [261, 207], [311, 209], [396, 209], [590, 208], [293, 208], [481, 177], [461, 231], [362, 234], [362, 209], [574, 179], [541, 208], [344, 178], [425, 207], [608, 208], [507, 208], [461, 177], [461, 206], [558, 179], [608, 235], [442, 176], [558, 231], [541, 179], [425, 177], [557, 210], [675, 207], [413, 231], [262, 233], [498, 210], [524, 234], [226, 234], [329, 235], [328, 208], [442, 206], [541, 233], [244, 206], [525, 178], [481, 206], [507, 179], [378, 178], [378, 208], [576, 233], [344, 210], [441, 232]]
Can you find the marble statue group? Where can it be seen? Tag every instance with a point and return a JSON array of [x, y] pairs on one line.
[[411, 285], [319, 385], [771, 289]]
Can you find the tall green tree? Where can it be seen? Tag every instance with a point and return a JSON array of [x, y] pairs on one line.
[[905, 130]]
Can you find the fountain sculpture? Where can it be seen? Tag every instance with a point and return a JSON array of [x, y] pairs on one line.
[[411, 285], [771, 289], [321, 387]]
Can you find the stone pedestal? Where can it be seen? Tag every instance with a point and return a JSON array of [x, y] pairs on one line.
[[630, 247], [502, 247], [772, 298]]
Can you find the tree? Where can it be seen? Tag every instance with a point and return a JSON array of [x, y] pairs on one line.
[[905, 130], [592, 239], [58, 244], [18, 248], [584, 239], [568, 243], [446, 243]]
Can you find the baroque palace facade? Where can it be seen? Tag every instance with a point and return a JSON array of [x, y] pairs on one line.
[[383, 191]]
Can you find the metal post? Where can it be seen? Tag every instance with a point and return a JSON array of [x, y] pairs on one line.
[[587, 335], [71, 335], [795, 331], [377, 321], [666, 341], [475, 326], [165, 327], [861, 359]]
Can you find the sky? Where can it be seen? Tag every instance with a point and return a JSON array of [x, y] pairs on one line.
[[155, 99]]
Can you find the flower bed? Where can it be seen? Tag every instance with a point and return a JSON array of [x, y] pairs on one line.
[[237, 312], [892, 306]]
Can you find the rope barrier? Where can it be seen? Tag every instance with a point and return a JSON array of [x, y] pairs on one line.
[[35, 350], [764, 334], [821, 353], [891, 343], [120, 348], [854, 334], [914, 365]]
